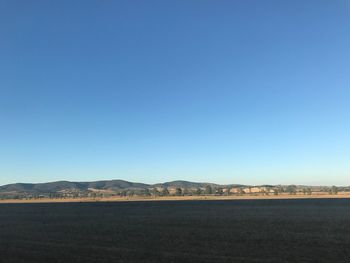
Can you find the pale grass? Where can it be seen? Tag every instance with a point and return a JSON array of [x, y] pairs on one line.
[[177, 198]]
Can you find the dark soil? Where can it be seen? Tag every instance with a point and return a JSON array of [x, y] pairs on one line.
[[310, 230]]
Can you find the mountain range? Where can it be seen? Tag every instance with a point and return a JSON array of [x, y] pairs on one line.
[[107, 187]]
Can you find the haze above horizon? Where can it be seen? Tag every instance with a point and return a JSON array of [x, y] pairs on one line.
[[248, 92]]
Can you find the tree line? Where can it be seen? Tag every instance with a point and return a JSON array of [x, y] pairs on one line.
[[178, 191]]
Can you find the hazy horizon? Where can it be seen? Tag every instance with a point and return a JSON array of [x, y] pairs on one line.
[[248, 92]]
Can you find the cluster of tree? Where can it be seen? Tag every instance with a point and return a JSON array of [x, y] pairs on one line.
[[208, 190], [307, 191], [333, 190]]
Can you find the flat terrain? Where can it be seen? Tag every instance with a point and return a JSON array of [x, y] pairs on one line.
[[291, 230]]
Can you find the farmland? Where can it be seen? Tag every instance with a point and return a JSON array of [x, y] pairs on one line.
[[292, 230]]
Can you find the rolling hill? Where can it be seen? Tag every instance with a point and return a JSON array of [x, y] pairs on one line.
[[120, 187]]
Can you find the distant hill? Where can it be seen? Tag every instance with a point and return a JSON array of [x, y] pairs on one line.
[[25, 189], [115, 185], [100, 185], [119, 187], [66, 185], [183, 184]]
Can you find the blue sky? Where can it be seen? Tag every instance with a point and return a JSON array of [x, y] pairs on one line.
[[223, 91]]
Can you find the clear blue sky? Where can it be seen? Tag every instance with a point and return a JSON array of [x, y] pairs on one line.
[[222, 91]]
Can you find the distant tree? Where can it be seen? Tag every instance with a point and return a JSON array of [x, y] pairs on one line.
[[146, 192], [198, 191], [324, 189], [266, 191], [240, 191], [275, 191], [292, 189], [220, 191], [208, 190], [280, 189], [228, 191], [155, 192], [165, 192], [186, 191], [309, 191], [178, 191], [334, 190]]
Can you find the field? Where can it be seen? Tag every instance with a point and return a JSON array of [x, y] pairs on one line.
[[291, 230], [341, 195]]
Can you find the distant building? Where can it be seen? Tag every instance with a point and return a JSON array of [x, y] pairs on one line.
[[172, 190], [234, 190], [247, 190], [254, 190]]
